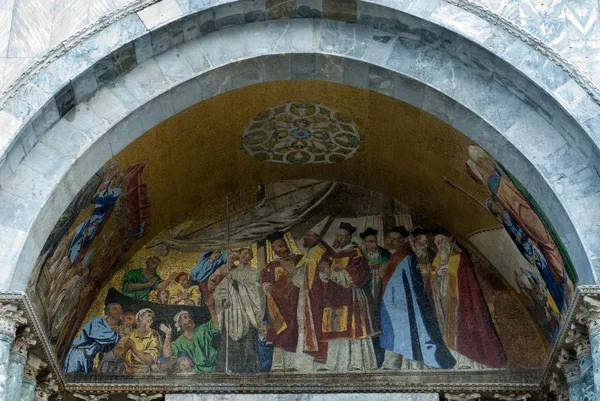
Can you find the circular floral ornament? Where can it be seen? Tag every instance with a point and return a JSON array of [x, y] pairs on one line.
[[305, 133]]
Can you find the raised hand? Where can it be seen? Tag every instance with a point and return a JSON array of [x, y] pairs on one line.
[[166, 329]]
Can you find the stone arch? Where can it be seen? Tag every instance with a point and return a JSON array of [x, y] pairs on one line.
[[515, 130]]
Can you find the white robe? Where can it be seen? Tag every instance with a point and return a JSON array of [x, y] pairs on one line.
[[247, 303]]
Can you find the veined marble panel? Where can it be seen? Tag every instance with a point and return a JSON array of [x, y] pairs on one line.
[[305, 397]]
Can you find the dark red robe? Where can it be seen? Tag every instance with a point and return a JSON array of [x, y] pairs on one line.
[[348, 313], [477, 338], [282, 304], [313, 292]]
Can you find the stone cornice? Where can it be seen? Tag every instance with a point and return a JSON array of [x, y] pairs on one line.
[[22, 299], [572, 318]]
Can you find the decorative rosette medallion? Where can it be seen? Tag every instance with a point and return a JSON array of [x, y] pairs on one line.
[[303, 133]]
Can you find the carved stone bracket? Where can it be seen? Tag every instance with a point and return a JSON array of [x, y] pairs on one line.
[[556, 382], [33, 366], [463, 397], [10, 318], [583, 347], [25, 340], [572, 371], [593, 317], [578, 337], [144, 397], [564, 358], [91, 397], [46, 388]]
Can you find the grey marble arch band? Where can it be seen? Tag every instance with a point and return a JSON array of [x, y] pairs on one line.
[[71, 150]]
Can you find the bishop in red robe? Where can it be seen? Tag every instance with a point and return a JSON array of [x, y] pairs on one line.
[[311, 294], [282, 302], [349, 320]]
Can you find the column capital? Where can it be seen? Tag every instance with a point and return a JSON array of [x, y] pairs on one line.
[[11, 317], [24, 340], [46, 388], [33, 366], [512, 397], [558, 387], [463, 397], [593, 313]]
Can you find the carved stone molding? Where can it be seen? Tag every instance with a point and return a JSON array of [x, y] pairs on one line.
[[463, 397], [512, 397], [11, 317], [24, 340], [33, 366]]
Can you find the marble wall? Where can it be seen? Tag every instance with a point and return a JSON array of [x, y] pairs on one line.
[[30, 28], [305, 397]]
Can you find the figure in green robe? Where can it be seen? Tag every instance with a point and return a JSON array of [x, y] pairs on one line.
[[139, 282], [194, 342]]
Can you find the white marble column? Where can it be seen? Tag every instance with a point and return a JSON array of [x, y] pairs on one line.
[[593, 324], [16, 366], [573, 377], [32, 368], [570, 367], [10, 319], [586, 367]]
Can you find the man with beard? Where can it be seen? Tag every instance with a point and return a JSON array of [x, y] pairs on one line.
[[460, 308], [194, 341], [377, 257], [138, 283], [411, 335], [349, 321], [100, 334], [420, 244], [311, 293], [109, 361], [282, 304], [395, 238], [240, 305]]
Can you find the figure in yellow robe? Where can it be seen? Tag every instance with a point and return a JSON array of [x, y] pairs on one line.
[[141, 347]]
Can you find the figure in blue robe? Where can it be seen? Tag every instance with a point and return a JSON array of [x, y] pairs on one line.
[[91, 227], [408, 322], [96, 336], [206, 266], [533, 255]]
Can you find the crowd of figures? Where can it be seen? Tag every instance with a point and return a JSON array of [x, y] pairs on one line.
[[338, 307]]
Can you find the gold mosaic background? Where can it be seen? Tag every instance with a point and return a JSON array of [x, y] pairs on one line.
[[195, 157]]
